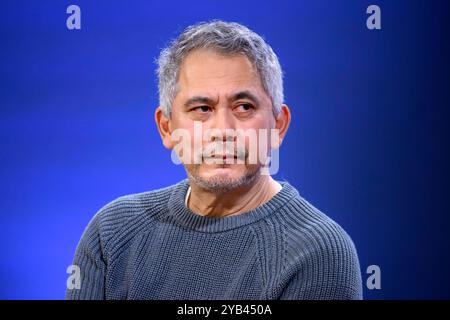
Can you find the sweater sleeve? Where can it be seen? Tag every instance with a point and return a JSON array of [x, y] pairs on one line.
[[90, 261], [326, 269]]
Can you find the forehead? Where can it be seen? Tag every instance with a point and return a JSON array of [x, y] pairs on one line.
[[209, 72]]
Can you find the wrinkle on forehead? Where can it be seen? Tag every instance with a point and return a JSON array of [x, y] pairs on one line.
[[211, 71]]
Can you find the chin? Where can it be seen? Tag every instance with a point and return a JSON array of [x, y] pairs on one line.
[[219, 178], [223, 171]]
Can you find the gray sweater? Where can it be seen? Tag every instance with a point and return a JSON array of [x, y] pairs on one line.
[[151, 246]]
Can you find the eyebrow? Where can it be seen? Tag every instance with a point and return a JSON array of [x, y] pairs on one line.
[[236, 96], [244, 95], [199, 99]]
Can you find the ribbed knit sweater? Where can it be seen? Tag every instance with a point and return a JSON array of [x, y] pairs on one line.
[[151, 246]]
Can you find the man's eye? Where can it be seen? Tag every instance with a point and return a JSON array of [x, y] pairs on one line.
[[244, 107], [202, 109]]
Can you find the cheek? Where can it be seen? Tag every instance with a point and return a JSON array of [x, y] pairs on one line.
[[263, 119], [183, 135], [259, 127]]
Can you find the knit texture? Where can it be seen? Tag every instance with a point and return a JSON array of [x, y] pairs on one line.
[[151, 246]]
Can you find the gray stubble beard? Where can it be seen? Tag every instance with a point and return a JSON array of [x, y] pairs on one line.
[[218, 184]]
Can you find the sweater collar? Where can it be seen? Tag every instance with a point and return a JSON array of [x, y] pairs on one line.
[[189, 219]]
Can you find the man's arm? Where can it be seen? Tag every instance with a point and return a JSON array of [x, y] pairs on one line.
[[327, 269], [90, 261]]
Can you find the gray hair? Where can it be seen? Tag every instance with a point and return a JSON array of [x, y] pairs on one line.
[[227, 38]]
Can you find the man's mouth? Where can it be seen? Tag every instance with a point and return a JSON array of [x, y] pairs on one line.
[[223, 157], [227, 156]]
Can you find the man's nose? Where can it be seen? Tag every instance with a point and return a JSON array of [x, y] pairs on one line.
[[223, 125]]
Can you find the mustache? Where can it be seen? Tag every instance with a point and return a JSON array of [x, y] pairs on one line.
[[218, 150]]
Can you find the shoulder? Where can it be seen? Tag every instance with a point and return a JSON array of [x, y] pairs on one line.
[[319, 250], [309, 229], [120, 220], [122, 209]]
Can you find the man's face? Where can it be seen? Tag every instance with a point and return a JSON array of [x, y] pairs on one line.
[[220, 93]]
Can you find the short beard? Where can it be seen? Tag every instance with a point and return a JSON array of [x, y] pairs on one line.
[[218, 184]]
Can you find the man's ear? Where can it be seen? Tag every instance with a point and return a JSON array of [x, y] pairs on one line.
[[164, 128], [282, 121]]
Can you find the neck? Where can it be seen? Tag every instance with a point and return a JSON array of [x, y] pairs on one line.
[[240, 200]]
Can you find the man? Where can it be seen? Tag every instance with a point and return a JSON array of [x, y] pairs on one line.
[[229, 231]]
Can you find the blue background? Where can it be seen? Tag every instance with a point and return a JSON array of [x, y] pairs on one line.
[[368, 143]]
